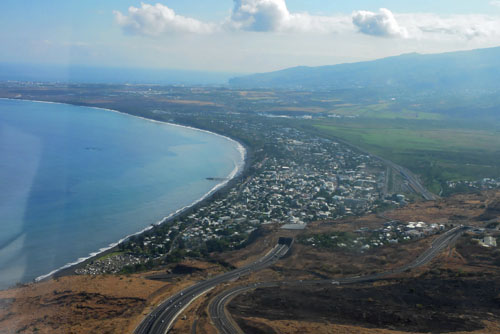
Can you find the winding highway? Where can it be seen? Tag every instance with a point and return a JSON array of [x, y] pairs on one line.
[[226, 325], [161, 319]]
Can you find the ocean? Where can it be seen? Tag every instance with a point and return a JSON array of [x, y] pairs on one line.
[[75, 180]]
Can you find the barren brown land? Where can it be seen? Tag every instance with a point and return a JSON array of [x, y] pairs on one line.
[[459, 291]]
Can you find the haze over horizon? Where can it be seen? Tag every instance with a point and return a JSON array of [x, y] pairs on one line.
[[230, 36]]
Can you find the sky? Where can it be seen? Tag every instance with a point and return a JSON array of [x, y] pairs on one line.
[[240, 36]]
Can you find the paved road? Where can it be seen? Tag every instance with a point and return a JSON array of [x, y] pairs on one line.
[[226, 325], [412, 180], [163, 317]]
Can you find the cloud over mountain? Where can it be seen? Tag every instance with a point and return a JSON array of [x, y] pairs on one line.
[[382, 24], [466, 27]]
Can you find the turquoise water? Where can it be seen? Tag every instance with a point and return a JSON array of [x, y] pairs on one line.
[[73, 180]]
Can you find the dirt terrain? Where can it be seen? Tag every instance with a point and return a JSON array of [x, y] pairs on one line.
[[75, 305], [472, 209], [411, 305], [107, 304], [458, 291]]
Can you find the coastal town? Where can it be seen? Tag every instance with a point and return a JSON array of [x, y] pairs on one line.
[[250, 166], [294, 174], [293, 179]]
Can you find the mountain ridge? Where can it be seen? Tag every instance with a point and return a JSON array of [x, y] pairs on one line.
[[477, 69]]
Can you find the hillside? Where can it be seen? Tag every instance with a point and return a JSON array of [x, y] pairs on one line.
[[458, 290], [476, 71]]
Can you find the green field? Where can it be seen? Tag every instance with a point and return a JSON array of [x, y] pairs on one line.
[[438, 151], [385, 110]]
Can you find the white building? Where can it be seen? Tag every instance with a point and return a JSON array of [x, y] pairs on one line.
[[489, 241]]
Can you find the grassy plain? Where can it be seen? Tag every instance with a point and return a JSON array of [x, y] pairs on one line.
[[385, 110], [438, 151]]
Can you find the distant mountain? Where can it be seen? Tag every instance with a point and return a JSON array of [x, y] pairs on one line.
[[477, 70], [108, 75]]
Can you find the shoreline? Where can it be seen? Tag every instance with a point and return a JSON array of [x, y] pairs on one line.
[[69, 268]]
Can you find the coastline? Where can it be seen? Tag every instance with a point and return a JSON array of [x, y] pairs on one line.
[[69, 268]]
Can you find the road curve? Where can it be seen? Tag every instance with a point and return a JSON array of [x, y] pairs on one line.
[[226, 325], [161, 319]]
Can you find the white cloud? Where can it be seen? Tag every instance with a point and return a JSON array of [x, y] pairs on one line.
[[259, 15], [495, 3], [382, 24], [158, 19], [273, 15], [462, 27], [427, 26], [247, 15]]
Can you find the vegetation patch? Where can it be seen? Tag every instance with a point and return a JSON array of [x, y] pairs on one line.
[[439, 151]]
